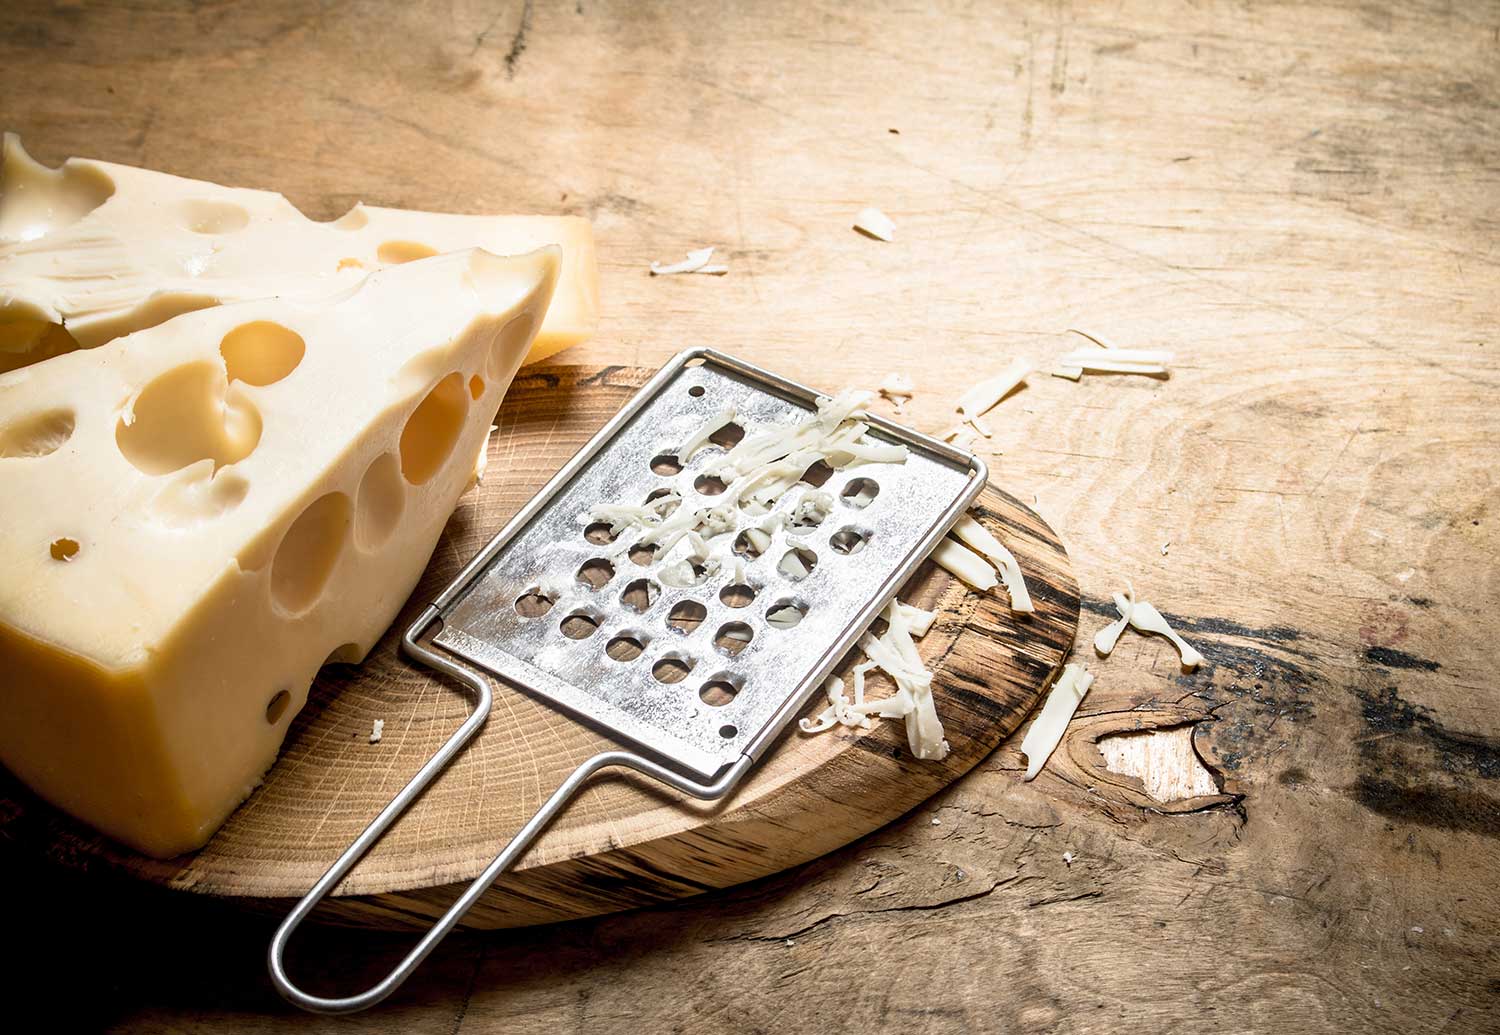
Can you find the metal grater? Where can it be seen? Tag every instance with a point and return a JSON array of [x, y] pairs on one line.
[[550, 609]]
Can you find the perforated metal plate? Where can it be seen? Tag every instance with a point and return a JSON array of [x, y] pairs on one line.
[[731, 702]]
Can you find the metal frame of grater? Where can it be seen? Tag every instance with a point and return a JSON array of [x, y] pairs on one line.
[[691, 746]]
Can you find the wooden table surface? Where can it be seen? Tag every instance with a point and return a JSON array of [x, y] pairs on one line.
[[1300, 201]]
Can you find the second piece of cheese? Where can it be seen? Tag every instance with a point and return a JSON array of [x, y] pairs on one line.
[[199, 515], [94, 250]]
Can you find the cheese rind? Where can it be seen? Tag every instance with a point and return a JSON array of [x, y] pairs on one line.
[[248, 491], [100, 250]]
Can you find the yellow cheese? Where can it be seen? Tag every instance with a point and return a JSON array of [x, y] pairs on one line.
[[94, 250], [200, 515]]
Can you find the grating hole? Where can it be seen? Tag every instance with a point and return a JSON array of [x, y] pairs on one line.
[[728, 436], [533, 604], [737, 595], [696, 391], [666, 509], [671, 669], [640, 594], [728, 732], [642, 553], [600, 533], [595, 572], [733, 637], [797, 563], [751, 543], [276, 706], [860, 493], [625, 647], [709, 484], [665, 464], [848, 540], [717, 692], [817, 474], [579, 626], [686, 616], [785, 613]]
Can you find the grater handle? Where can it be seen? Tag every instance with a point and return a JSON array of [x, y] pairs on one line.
[[513, 849]]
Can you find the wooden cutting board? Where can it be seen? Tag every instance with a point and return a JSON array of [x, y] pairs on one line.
[[622, 843]]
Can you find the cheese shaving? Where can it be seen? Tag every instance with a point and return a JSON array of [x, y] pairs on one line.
[[976, 535], [898, 389], [874, 223], [1147, 619], [982, 397], [696, 262], [707, 431], [1097, 339], [377, 731], [966, 565], [1113, 361], [1047, 730], [895, 653], [1106, 638], [1165, 546]]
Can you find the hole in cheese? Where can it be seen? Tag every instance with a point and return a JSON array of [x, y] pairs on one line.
[[25, 340], [261, 353], [39, 200], [396, 252], [37, 434], [202, 216], [476, 387], [64, 549], [511, 344], [432, 429], [197, 495], [184, 416], [379, 502], [308, 552], [276, 706]]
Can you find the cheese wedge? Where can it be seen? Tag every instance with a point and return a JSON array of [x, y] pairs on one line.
[[94, 250], [199, 516]]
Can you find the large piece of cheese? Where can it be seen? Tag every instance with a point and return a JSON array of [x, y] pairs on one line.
[[93, 250], [197, 516]]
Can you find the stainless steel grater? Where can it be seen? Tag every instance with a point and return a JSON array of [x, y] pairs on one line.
[[696, 681]]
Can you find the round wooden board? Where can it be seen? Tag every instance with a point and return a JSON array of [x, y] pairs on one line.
[[623, 842]]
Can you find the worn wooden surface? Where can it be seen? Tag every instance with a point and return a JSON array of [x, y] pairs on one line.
[[625, 843], [1298, 199]]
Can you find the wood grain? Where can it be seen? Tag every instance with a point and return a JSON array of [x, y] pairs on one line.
[[626, 843], [1297, 199]]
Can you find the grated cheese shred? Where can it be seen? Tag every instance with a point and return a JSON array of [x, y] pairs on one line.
[[1047, 730]]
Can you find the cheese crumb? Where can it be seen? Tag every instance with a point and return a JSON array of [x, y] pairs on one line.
[[898, 389], [1068, 858], [696, 262], [1047, 731], [936, 822], [875, 223], [377, 731], [1165, 546]]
